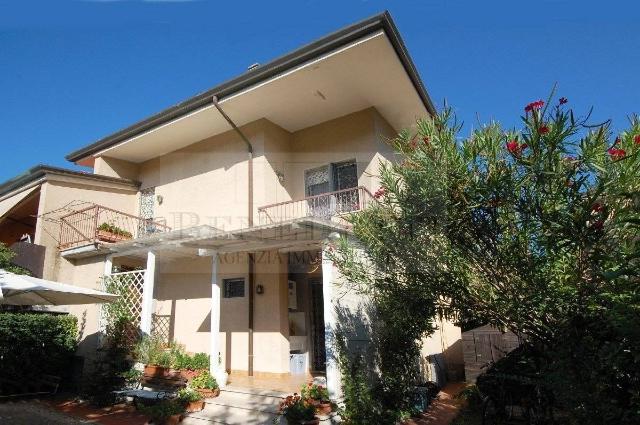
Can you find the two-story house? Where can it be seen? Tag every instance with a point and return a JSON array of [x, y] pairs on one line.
[[216, 212]]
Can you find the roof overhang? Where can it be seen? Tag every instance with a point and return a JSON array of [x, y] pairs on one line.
[[9, 204], [361, 66], [37, 175]]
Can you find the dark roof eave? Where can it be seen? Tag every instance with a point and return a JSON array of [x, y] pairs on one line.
[[39, 171], [304, 54]]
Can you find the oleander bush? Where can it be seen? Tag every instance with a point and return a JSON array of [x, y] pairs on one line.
[[535, 230]]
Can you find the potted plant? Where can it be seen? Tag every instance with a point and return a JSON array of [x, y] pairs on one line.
[[190, 366], [205, 384], [111, 233], [318, 397], [298, 411], [191, 399], [150, 352], [166, 412]]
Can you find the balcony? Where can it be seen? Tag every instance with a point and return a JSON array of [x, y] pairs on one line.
[[331, 206], [102, 225]]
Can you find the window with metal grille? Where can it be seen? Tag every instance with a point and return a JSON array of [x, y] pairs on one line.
[[233, 288]]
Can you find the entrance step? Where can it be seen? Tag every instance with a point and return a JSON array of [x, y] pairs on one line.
[[238, 406]]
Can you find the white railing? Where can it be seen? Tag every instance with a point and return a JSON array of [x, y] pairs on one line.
[[325, 206]]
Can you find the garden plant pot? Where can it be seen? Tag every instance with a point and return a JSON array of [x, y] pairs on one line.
[[194, 406], [323, 407], [208, 393], [189, 374], [154, 370], [105, 236]]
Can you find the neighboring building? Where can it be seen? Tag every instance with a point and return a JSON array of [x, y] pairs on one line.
[[223, 231]]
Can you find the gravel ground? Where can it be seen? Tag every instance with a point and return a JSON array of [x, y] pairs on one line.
[[31, 412]]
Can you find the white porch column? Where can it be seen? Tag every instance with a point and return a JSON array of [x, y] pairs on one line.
[[214, 352], [333, 374], [108, 265], [147, 294]]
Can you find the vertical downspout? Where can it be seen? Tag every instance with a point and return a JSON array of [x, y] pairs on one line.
[[251, 257]]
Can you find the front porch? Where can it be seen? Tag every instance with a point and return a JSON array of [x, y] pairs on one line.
[[265, 292]]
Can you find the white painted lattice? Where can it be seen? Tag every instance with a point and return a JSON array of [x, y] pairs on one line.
[[129, 286]]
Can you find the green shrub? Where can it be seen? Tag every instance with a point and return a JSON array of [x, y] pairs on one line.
[[314, 392], [112, 366], [199, 361], [148, 350], [188, 395], [33, 344], [111, 228], [163, 410], [204, 381], [183, 361], [296, 409], [132, 377], [6, 255]]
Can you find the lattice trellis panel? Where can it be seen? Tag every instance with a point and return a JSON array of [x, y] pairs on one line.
[[161, 327], [129, 286]]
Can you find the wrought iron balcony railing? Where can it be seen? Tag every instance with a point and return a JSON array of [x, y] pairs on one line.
[[98, 224], [325, 206]]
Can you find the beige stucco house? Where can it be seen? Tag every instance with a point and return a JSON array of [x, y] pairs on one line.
[[218, 210]]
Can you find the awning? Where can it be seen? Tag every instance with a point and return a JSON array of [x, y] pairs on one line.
[[11, 202], [27, 290]]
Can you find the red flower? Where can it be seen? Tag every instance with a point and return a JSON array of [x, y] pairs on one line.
[[515, 148], [616, 153], [543, 129], [636, 139], [425, 140], [597, 207], [380, 193], [534, 106], [563, 100], [598, 224]]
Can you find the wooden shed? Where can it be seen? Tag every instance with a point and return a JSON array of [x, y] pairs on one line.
[[484, 345]]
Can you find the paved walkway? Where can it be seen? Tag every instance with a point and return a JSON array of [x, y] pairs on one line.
[[444, 409], [33, 412]]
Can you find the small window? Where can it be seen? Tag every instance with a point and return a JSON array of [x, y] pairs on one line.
[[233, 288]]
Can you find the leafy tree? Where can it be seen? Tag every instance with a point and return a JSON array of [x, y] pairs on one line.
[[533, 230], [6, 255]]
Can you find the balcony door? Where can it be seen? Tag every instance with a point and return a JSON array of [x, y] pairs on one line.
[[329, 179]]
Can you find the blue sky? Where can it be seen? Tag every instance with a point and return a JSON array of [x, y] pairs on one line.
[[72, 72]]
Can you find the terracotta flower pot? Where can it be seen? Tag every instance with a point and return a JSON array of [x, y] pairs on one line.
[[323, 407], [209, 393], [189, 374], [106, 236], [154, 370], [194, 406]]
